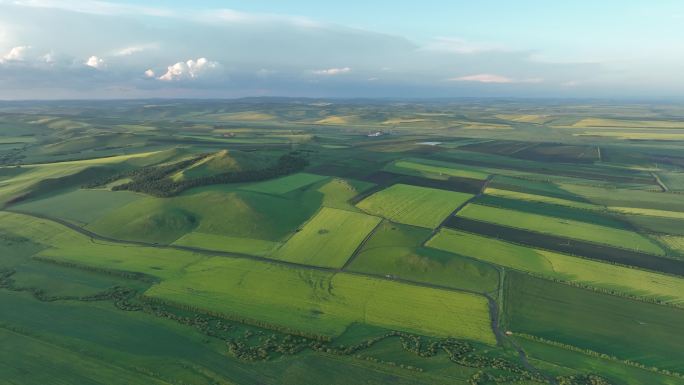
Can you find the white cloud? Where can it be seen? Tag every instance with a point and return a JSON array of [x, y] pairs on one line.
[[190, 69], [494, 79], [48, 58], [16, 54], [128, 51], [483, 78], [459, 46], [333, 71], [149, 73], [95, 62]]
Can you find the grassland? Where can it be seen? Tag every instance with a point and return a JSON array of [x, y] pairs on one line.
[[212, 210], [431, 168], [285, 184], [323, 303], [673, 180], [80, 206], [539, 198], [397, 250], [239, 245], [620, 197], [328, 239], [563, 227], [64, 245], [621, 123], [412, 205], [557, 179], [564, 361], [596, 322], [612, 278]]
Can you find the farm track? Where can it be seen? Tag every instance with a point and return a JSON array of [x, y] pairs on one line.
[[660, 183]]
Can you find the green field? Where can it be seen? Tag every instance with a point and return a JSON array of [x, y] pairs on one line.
[[413, 205], [596, 322], [539, 198], [437, 169], [328, 239], [318, 241], [81, 206], [566, 361], [213, 210], [614, 278], [251, 246], [397, 250], [562, 227], [324, 303], [285, 184]]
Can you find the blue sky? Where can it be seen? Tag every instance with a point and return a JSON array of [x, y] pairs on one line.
[[427, 48]]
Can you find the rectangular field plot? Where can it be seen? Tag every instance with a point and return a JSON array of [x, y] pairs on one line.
[[562, 227], [642, 332], [625, 280], [321, 303], [251, 246], [398, 250], [433, 168], [412, 205], [501, 193], [328, 239], [285, 184]]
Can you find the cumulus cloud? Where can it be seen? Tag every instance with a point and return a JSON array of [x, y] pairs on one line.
[[18, 53], [149, 73], [95, 62], [190, 69], [332, 71], [494, 79]]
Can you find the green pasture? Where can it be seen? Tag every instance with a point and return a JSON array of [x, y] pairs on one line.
[[397, 250], [565, 361], [562, 227], [433, 168], [250, 246], [212, 210], [552, 265], [285, 184], [413, 205], [323, 303], [630, 330], [80, 206], [328, 239]]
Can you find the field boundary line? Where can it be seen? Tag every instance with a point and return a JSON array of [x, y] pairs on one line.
[[365, 240], [218, 253]]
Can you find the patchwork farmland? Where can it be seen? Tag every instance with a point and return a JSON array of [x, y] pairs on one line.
[[242, 242]]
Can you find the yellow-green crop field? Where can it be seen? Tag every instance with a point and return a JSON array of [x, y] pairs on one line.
[[562, 227], [436, 169], [630, 281], [324, 303], [539, 198], [413, 205], [328, 239]]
